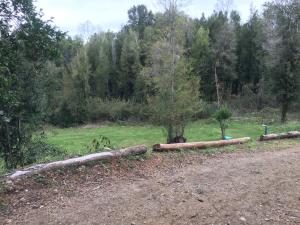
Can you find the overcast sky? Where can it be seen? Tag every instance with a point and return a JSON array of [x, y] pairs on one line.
[[112, 14]]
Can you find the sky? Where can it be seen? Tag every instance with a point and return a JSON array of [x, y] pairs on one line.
[[112, 14]]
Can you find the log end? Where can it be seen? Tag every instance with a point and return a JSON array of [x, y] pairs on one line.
[[261, 138], [156, 148]]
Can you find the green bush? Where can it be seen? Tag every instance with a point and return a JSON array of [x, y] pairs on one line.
[[62, 116], [250, 102], [100, 144], [39, 151], [115, 110], [222, 115]]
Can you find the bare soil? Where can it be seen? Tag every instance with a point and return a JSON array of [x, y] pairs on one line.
[[229, 188]]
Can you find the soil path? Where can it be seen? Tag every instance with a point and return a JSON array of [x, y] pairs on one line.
[[235, 188]]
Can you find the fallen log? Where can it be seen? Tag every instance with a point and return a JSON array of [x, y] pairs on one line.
[[291, 134], [200, 145], [78, 161]]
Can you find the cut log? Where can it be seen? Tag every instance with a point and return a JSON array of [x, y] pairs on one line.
[[78, 161], [291, 134], [200, 145]]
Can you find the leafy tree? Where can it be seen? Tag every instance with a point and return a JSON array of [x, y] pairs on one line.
[[139, 19], [26, 43], [129, 65], [202, 61], [223, 51], [78, 83], [52, 89], [102, 74], [251, 58], [176, 97], [283, 17]]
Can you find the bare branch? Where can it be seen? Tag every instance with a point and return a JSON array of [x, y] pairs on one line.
[[224, 5]]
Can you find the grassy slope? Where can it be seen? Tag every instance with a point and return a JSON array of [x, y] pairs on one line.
[[74, 140]]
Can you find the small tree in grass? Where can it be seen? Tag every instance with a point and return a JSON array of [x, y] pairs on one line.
[[222, 116], [175, 98]]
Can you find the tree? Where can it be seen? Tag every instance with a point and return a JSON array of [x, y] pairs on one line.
[[78, 90], [26, 43], [251, 58], [223, 51], [52, 87], [176, 97], [139, 19], [99, 52], [283, 17], [129, 64], [202, 61]]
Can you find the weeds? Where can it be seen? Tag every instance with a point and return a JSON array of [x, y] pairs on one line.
[[100, 144]]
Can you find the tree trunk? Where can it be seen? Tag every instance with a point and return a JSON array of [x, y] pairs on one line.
[[200, 145], [222, 126], [260, 95], [217, 85], [175, 135], [78, 161], [284, 110], [8, 154], [170, 134], [291, 134]]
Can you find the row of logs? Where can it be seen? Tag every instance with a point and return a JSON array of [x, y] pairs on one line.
[[141, 150]]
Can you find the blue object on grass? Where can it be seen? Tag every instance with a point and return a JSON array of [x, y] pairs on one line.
[[227, 137]]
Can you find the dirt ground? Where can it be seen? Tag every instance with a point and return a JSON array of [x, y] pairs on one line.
[[179, 189]]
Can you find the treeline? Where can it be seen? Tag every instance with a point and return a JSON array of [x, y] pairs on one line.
[[166, 68], [250, 65]]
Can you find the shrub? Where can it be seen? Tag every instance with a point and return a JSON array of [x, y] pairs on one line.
[[222, 115], [249, 101], [38, 150], [101, 144], [115, 110], [62, 116]]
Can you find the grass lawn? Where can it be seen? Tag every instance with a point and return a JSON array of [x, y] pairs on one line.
[[74, 140]]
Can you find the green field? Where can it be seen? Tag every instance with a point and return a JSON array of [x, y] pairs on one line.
[[74, 140]]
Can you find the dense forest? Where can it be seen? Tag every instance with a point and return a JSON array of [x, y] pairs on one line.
[[165, 68]]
